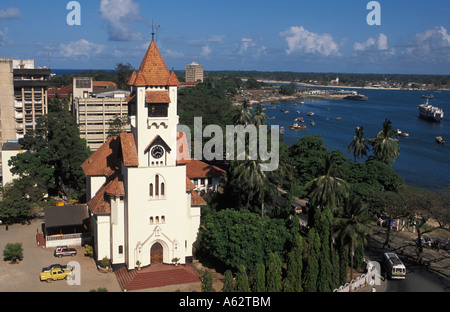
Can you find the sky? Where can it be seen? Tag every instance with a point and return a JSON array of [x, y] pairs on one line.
[[345, 36]]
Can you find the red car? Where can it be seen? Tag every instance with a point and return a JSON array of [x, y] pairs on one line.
[[61, 251]]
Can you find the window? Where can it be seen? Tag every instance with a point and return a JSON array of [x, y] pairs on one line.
[[151, 220], [120, 249], [163, 219], [162, 189], [158, 110], [157, 185], [151, 190]]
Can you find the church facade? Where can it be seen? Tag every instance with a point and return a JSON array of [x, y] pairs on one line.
[[144, 209]]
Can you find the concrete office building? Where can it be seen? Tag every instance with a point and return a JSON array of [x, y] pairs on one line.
[[95, 109], [194, 72]]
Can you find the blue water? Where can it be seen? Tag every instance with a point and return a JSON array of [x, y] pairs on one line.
[[422, 162]]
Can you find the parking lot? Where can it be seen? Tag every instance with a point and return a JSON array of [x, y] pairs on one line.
[[24, 276]]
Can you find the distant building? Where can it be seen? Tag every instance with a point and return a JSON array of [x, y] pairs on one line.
[[95, 105], [9, 150], [194, 72]]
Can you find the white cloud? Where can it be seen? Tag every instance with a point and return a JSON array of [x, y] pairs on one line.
[[173, 54], [372, 44], [80, 48], [10, 13], [120, 15], [431, 45], [206, 51], [301, 40], [245, 44]]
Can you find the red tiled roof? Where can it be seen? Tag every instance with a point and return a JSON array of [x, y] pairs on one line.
[[199, 169], [189, 185], [104, 84], [100, 203], [115, 187], [196, 199], [105, 161], [153, 71], [129, 151], [157, 97]]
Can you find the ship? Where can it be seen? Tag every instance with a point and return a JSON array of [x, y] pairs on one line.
[[430, 112]]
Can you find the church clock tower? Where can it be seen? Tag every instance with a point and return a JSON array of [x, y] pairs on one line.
[[154, 103]]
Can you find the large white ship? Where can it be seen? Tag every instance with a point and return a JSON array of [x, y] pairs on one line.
[[430, 112]]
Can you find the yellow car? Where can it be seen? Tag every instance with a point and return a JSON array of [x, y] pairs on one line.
[[55, 274]]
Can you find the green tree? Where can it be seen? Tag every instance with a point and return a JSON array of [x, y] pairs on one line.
[[295, 266], [228, 282], [117, 126], [273, 274], [207, 282], [328, 189], [13, 252], [259, 117], [241, 280], [259, 278], [385, 146], [359, 145], [312, 263], [323, 227], [243, 115], [124, 72], [15, 208], [351, 226], [56, 153]]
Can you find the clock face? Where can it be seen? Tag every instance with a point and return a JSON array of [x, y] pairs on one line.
[[157, 152]]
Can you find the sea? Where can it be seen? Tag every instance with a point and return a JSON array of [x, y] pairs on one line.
[[422, 161]]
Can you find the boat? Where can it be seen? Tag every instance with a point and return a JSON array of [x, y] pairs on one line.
[[440, 140], [430, 112], [298, 112], [310, 114], [338, 118], [313, 123], [302, 102], [401, 133], [296, 126], [300, 119], [356, 97], [270, 117], [282, 130]]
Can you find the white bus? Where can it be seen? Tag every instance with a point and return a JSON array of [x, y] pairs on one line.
[[395, 269]]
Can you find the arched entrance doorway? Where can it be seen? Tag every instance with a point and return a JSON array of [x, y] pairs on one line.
[[156, 253]]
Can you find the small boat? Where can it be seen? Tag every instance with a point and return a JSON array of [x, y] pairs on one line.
[[300, 119], [440, 140], [296, 126], [313, 123], [284, 111], [270, 117], [302, 102], [338, 118], [401, 133], [310, 114], [282, 130], [298, 112]]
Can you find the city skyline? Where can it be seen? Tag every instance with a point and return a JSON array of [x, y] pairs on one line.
[[299, 36]]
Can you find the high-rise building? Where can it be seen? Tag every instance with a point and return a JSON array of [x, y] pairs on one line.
[[194, 72]]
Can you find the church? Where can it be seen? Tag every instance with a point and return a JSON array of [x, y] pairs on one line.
[[144, 209]]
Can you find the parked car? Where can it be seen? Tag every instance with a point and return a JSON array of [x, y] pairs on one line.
[[56, 266], [62, 251], [55, 274]]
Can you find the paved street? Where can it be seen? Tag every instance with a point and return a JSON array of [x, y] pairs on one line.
[[24, 277]]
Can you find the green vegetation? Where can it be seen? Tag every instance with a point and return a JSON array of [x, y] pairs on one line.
[[13, 252]]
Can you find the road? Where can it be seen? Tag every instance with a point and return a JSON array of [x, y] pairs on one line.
[[419, 279]]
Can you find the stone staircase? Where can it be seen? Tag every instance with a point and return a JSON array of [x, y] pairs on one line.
[[156, 275]]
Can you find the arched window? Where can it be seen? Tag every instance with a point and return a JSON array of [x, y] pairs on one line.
[[162, 189], [151, 190], [157, 185]]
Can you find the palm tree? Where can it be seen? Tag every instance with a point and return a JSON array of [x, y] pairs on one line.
[[327, 189], [259, 117], [249, 174], [359, 145], [385, 145], [351, 225], [243, 115]]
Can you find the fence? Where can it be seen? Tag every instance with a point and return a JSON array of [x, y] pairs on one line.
[[371, 278], [67, 239]]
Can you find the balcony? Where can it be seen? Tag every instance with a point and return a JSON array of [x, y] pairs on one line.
[[18, 115]]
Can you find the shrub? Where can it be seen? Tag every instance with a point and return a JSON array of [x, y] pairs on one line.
[[13, 252]]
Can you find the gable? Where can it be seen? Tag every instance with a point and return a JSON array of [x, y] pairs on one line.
[[158, 141]]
